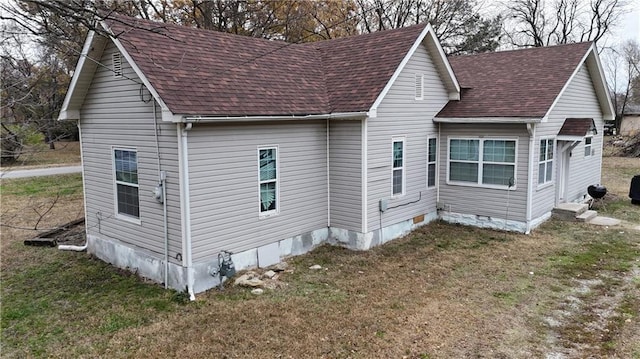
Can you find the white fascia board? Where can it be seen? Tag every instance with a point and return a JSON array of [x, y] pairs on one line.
[[137, 70], [600, 84], [487, 120], [69, 115], [65, 112], [428, 30], [222, 119], [569, 138]]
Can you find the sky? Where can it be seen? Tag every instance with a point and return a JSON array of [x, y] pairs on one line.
[[629, 25]]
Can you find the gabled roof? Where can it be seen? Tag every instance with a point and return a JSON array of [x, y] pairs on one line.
[[576, 127], [522, 83], [195, 72]]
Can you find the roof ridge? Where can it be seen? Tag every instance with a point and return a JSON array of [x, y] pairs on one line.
[[526, 49]]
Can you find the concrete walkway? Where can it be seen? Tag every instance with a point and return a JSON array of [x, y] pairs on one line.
[[37, 172]]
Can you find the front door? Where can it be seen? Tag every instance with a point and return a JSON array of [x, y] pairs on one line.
[[562, 176]]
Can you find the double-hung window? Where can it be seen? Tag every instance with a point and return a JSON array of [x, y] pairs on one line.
[[397, 167], [268, 178], [432, 146], [588, 146], [484, 162], [545, 161], [126, 182]]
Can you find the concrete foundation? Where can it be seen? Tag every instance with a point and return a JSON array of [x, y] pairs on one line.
[[151, 266], [484, 222]]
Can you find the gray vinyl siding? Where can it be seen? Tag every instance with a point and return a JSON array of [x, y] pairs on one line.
[[223, 181], [400, 114], [113, 114], [578, 101], [345, 163], [480, 201]]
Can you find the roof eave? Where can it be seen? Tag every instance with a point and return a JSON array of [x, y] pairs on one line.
[[85, 68], [488, 120], [263, 118]]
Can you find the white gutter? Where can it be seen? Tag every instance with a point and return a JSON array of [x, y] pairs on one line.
[[487, 119], [336, 115], [185, 206], [531, 128]]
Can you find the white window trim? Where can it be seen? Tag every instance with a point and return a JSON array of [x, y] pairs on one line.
[[419, 77], [480, 162], [403, 168], [118, 215], [589, 145], [435, 162], [553, 167], [276, 211], [116, 65]]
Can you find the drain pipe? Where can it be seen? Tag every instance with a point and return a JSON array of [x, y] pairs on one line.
[[185, 204], [68, 247], [162, 175], [328, 182]]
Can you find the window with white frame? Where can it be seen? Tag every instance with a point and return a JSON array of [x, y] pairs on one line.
[[545, 161], [419, 86], [432, 147], [397, 167], [485, 162], [268, 178], [126, 182], [588, 148]]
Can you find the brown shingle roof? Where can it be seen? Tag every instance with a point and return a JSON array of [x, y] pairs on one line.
[[201, 72], [576, 127], [518, 83]]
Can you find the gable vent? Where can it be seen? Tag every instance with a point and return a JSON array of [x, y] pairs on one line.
[[116, 60], [419, 86]]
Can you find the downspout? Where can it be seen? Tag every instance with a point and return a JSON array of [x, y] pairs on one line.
[[66, 247], [363, 173], [162, 176], [531, 128], [328, 182], [185, 204], [438, 169]]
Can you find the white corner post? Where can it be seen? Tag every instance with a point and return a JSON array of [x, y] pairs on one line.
[[531, 129], [185, 206]]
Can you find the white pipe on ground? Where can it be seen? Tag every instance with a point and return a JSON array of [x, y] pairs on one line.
[[68, 247]]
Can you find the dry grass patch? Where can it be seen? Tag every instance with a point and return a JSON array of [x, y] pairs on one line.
[[444, 291], [39, 155]]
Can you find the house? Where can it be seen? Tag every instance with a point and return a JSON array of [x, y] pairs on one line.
[[630, 122], [197, 142]]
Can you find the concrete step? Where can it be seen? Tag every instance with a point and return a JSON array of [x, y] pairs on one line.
[[586, 216], [569, 211]]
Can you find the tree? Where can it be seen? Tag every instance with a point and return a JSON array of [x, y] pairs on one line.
[[623, 63], [457, 23], [535, 23]]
